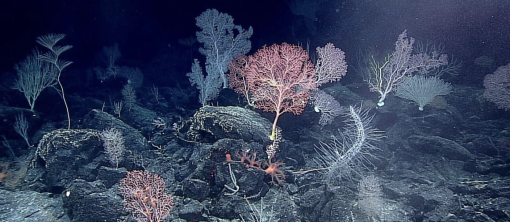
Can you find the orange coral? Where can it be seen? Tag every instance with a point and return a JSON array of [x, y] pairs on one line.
[[251, 158], [274, 170]]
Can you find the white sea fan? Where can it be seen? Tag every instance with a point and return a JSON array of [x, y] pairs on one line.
[[326, 105], [222, 41], [422, 89]]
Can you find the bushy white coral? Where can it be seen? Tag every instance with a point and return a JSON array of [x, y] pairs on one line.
[[113, 143], [221, 44]]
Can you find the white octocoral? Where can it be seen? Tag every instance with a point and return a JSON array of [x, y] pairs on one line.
[[422, 90]]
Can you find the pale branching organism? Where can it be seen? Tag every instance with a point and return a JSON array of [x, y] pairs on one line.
[[113, 143], [110, 55], [237, 77], [497, 87], [34, 76], [260, 212], [101, 74], [326, 105], [370, 199], [129, 94], [423, 89], [155, 92], [159, 122], [222, 41], [117, 108], [52, 57], [21, 127], [209, 86], [348, 155], [452, 68], [400, 65], [331, 65], [134, 76]]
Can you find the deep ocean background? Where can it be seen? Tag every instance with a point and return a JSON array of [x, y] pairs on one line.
[[147, 29]]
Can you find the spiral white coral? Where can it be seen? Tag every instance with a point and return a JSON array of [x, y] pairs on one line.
[[341, 158]]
